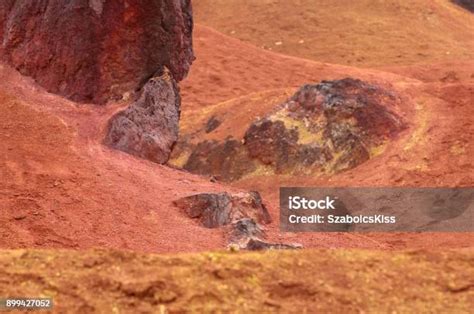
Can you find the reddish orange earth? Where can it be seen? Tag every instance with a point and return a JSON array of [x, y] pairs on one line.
[[309, 281], [434, 152], [61, 188]]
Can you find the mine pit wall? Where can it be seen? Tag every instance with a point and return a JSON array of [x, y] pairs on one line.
[[96, 50]]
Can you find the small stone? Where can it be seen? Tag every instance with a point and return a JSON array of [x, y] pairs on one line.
[[19, 217], [258, 245], [212, 124]]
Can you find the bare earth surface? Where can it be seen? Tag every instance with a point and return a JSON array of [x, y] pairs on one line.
[[309, 281], [434, 152], [60, 188], [363, 33]]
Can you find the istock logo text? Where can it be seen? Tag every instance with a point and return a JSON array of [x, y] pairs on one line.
[[298, 202]]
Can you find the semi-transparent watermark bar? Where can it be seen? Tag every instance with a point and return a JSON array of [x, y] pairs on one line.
[[376, 209]]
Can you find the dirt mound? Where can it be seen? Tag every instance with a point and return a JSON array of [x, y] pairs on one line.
[[338, 281], [362, 33], [89, 51]]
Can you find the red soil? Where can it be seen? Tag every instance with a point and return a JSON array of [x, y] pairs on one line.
[[434, 152], [306, 281], [61, 188], [362, 33]]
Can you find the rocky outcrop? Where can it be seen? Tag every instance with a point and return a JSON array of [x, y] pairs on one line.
[[149, 127], [220, 209], [323, 128], [332, 125], [94, 50], [273, 144], [243, 214]]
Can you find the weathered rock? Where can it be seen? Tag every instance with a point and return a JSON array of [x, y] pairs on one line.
[[251, 205], [227, 161], [331, 125], [244, 229], [94, 50], [248, 235], [219, 209], [322, 129], [467, 4], [273, 144], [214, 210], [243, 213], [212, 124], [270, 142], [149, 127], [259, 245]]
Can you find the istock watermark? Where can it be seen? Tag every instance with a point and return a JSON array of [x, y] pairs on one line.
[[377, 209]]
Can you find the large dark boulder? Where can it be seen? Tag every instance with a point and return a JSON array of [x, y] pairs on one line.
[[322, 129], [330, 126], [94, 50]]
